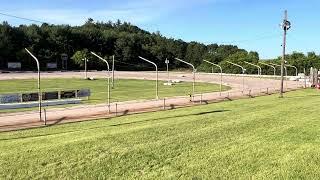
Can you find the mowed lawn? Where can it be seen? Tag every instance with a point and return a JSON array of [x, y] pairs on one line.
[[124, 89], [259, 138]]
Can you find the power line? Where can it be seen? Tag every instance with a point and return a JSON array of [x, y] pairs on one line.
[[18, 17]]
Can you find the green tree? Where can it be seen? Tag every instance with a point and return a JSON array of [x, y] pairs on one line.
[[122, 39], [195, 53], [79, 56]]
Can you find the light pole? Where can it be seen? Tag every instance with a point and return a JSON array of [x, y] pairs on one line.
[[39, 87], [243, 71], [288, 65], [194, 73], [157, 88], [220, 73], [273, 67], [112, 71], [285, 68], [167, 63], [108, 77], [259, 68], [85, 68]]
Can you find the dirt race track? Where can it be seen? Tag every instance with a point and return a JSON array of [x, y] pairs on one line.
[[252, 87]]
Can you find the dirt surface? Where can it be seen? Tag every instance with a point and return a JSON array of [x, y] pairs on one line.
[[242, 87]]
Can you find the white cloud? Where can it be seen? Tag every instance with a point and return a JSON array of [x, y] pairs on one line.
[[136, 11]]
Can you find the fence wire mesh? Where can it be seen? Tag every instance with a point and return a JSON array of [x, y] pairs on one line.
[[51, 116]]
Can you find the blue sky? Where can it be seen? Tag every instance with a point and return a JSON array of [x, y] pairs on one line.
[[250, 24]]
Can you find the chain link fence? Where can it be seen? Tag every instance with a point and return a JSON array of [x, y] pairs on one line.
[[52, 116]]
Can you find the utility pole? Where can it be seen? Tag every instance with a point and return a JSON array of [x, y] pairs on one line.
[[286, 25]]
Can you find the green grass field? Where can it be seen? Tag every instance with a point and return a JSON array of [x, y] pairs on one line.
[[124, 89], [259, 138]]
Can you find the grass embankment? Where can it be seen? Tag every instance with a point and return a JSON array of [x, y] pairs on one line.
[[264, 137]]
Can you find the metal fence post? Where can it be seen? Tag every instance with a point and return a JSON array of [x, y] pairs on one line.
[[45, 116], [164, 103], [116, 109]]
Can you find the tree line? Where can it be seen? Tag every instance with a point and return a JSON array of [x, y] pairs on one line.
[[126, 42]]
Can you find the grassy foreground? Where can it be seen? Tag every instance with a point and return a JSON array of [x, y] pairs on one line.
[[124, 89], [264, 137]]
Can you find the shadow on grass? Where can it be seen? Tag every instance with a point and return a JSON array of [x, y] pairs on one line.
[[179, 116], [57, 121], [112, 125]]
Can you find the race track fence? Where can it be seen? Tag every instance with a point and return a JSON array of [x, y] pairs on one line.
[[52, 116]]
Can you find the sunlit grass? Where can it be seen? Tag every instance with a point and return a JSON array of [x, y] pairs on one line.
[[260, 138]]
